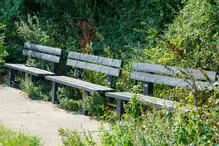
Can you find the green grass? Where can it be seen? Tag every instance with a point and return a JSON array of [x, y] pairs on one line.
[[11, 138]]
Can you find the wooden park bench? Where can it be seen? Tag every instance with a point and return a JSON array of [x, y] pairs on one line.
[[110, 67], [38, 52], [152, 74]]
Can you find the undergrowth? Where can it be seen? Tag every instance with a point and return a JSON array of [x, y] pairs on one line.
[[151, 127], [11, 138], [40, 90]]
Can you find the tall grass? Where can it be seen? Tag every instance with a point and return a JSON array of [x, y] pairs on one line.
[[11, 138]]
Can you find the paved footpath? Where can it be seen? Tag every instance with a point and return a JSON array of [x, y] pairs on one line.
[[39, 118]]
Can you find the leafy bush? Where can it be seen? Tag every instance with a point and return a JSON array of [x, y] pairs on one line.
[[70, 99], [192, 39], [94, 104], [3, 52], [74, 138], [40, 90], [10, 11], [10, 138], [31, 31], [199, 126]]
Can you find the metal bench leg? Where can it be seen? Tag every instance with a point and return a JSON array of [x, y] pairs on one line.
[[85, 95], [54, 93], [11, 77], [120, 108]]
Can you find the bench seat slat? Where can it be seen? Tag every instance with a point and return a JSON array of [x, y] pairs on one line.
[[95, 59], [157, 102], [83, 83], [94, 67], [172, 71], [79, 84], [42, 56], [177, 82], [45, 49], [31, 70]]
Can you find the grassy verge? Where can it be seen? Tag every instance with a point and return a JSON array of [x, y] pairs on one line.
[[10, 138]]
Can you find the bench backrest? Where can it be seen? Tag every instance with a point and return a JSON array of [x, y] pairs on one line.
[[167, 75], [99, 64], [43, 52]]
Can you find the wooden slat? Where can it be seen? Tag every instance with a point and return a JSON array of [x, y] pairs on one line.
[[95, 59], [82, 83], [94, 67], [151, 78], [45, 49], [79, 84], [29, 70], [172, 71], [43, 56], [157, 102]]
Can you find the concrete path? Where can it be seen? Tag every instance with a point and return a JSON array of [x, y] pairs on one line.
[[39, 118]]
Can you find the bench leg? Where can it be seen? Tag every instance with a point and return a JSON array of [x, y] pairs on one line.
[[84, 98], [120, 108], [11, 77], [54, 93], [148, 88], [33, 78]]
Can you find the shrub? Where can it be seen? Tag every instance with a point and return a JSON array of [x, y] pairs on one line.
[[40, 90], [94, 104], [3, 52], [31, 31], [71, 99], [199, 126], [10, 138], [192, 39]]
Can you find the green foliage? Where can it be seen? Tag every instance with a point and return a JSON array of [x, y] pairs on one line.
[[169, 32], [74, 138], [31, 31], [10, 138], [3, 52], [10, 10], [192, 39], [132, 22], [36, 91], [70, 99], [57, 25], [94, 104], [199, 126]]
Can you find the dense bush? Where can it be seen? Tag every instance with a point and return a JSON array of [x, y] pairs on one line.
[[192, 39], [3, 52], [119, 25]]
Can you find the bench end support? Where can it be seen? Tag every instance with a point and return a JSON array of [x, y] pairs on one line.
[[54, 93], [120, 108], [11, 77]]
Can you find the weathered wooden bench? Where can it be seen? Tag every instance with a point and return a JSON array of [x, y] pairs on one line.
[[152, 74], [110, 67], [38, 52]]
